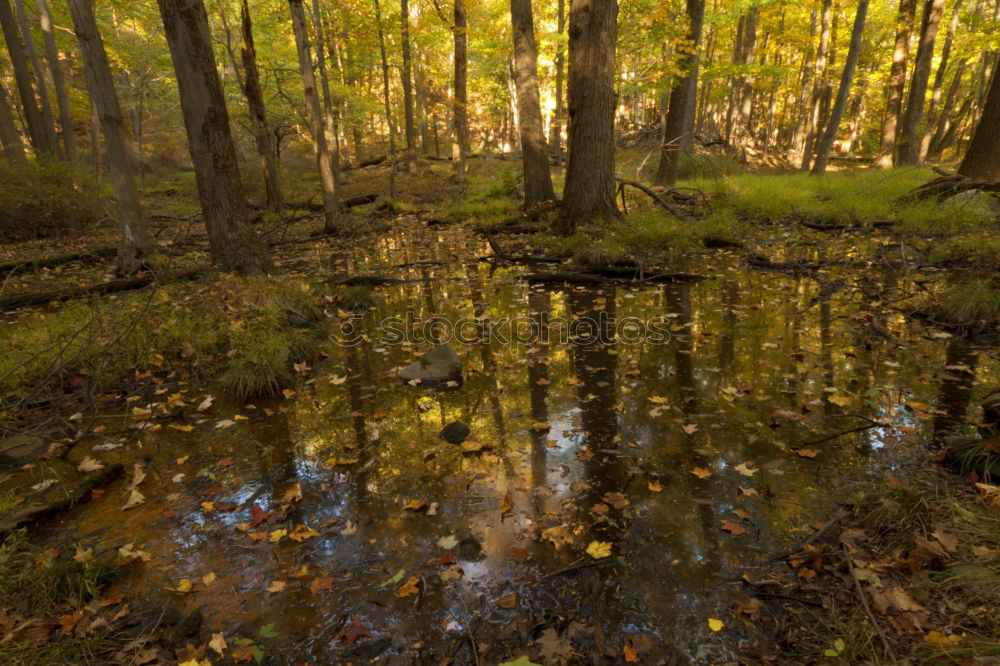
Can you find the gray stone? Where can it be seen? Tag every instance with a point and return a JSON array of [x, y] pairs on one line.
[[455, 432], [21, 449], [440, 364]]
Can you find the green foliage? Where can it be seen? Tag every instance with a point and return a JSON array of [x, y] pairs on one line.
[[969, 301], [45, 199], [354, 298], [973, 251]]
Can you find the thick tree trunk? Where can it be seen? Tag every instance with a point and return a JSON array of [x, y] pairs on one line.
[[48, 119], [385, 100], [797, 143], [233, 243], [819, 83], [460, 103], [909, 130], [537, 178], [942, 68], [407, 76], [25, 82], [897, 83], [741, 137], [680, 116], [830, 135], [58, 81], [13, 148], [314, 115], [946, 118], [982, 159], [263, 137], [329, 108], [136, 241], [590, 173], [555, 131]]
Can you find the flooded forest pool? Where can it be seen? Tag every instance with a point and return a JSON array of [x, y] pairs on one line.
[[611, 496]]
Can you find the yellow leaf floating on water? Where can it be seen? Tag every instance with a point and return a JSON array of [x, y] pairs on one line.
[[184, 586], [655, 485], [135, 498], [218, 643], [839, 400], [599, 549], [745, 470], [276, 586], [276, 535], [715, 625], [181, 426], [208, 578], [410, 587], [89, 464], [303, 532], [701, 472]]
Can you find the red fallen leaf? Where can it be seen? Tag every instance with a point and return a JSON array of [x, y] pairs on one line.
[[804, 453], [733, 528], [519, 554], [584, 454], [111, 601], [446, 559], [213, 490], [258, 515], [169, 513], [352, 633], [225, 462], [320, 584], [600, 508]]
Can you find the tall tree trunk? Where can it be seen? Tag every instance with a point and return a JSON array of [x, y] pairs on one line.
[[460, 105], [982, 159], [314, 115], [13, 148], [329, 108], [135, 241], [385, 100], [422, 110], [897, 83], [680, 117], [819, 83], [555, 130], [232, 241], [830, 135], [590, 173], [535, 156], [263, 137], [58, 81], [25, 82], [48, 119], [797, 143], [945, 117], [932, 109], [741, 137], [407, 75], [909, 130]]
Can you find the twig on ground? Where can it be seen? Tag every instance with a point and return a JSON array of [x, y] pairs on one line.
[[868, 610]]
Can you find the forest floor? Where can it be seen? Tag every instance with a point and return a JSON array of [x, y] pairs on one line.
[[203, 471]]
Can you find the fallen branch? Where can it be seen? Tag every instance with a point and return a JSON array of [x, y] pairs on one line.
[[878, 224], [8, 267], [112, 287], [654, 196]]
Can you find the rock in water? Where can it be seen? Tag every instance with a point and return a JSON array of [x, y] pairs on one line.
[[440, 364], [455, 432], [21, 449]]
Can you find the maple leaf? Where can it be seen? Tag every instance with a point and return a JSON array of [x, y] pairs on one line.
[[89, 464], [293, 494], [654, 485], [733, 528], [218, 643], [690, 428], [410, 587], [701, 472], [599, 549], [258, 516], [448, 542], [353, 632]]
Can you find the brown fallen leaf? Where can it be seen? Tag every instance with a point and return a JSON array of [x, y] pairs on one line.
[[320, 584], [507, 505], [701, 472], [415, 505], [733, 528], [410, 587], [507, 602], [353, 632], [804, 453]]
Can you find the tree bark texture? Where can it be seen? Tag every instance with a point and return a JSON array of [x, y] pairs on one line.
[[263, 137], [909, 130], [535, 157], [25, 82], [897, 83], [982, 159]]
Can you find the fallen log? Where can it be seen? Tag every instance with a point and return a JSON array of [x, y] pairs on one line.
[[878, 224], [38, 510], [346, 203], [949, 186], [112, 287], [97, 254], [592, 277]]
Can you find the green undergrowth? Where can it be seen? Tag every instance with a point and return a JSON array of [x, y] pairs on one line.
[[46, 199], [645, 237], [248, 330], [42, 589], [981, 250], [490, 198], [969, 303], [847, 197]]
